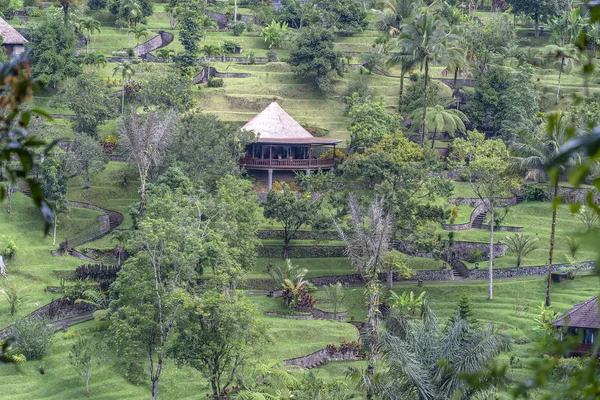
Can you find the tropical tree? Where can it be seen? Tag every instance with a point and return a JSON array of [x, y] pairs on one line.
[[521, 246], [336, 295], [288, 271], [139, 32], [13, 297], [165, 55], [120, 238], [133, 10], [95, 60], [145, 140], [89, 25], [564, 54], [407, 302], [205, 23], [440, 119], [54, 183], [424, 39], [588, 217], [125, 68], [367, 244], [426, 360], [86, 355], [275, 33], [393, 13]]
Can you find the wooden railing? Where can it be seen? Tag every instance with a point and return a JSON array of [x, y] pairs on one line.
[[287, 163]]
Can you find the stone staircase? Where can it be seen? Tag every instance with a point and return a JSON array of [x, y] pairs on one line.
[[479, 220]]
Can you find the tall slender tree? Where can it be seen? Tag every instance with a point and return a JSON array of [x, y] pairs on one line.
[[125, 68], [89, 25]]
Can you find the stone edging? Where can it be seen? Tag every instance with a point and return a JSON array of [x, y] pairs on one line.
[[321, 357], [314, 314]]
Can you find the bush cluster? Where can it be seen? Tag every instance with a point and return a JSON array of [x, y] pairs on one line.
[[535, 192], [474, 255], [215, 82], [34, 337]]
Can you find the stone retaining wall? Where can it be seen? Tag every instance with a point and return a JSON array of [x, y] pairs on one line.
[[504, 228], [523, 271], [573, 195], [272, 251], [321, 357], [474, 201], [457, 227], [462, 250], [212, 72]]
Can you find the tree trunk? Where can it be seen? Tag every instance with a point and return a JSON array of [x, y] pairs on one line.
[[119, 258], [424, 101], [156, 377], [433, 138], [129, 33], [142, 198], [123, 98], [65, 14], [87, 46], [55, 223], [455, 79], [562, 62], [537, 26], [9, 192], [551, 254], [401, 91], [235, 11], [491, 253], [390, 278], [286, 245]]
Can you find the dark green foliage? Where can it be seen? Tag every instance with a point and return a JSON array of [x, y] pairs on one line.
[[474, 255], [535, 192], [566, 368], [230, 46], [538, 10], [359, 87], [97, 4], [313, 57], [215, 82], [88, 97], [207, 149], [412, 98], [372, 60], [344, 15], [238, 29], [370, 122], [166, 90], [190, 31], [115, 7], [53, 52], [34, 337], [464, 309], [505, 102]]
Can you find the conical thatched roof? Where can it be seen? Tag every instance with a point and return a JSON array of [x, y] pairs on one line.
[[274, 125], [10, 35]]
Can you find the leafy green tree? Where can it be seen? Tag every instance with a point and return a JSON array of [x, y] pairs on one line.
[[521, 246], [564, 54], [424, 39], [118, 8], [85, 356], [344, 15], [190, 32], [407, 302], [89, 156], [504, 102], [125, 68], [291, 210], [313, 56], [486, 164], [396, 262], [13, 297], [538, 10], [145, 140], [440, 119], [95, 60], [166, 89], [55, 176], [218, 334], [275, 33], [132, 9], [370, 122], [464, 310], [205, 23], [459, 348], [120, 237], [88, 97], [53, 52], [206, 149]]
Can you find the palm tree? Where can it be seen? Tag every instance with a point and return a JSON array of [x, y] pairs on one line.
[[564, 54], [206, 23], [424, 39], [521, 246], [138, 32], [394, 12], [164, 54], [89, 25], [288, 271], [127, 71], [534, 154], [120, 238], [425, 360], [132, 9], [440, 119], [95, 60]]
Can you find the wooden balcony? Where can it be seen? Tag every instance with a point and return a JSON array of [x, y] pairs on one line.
[[287, 163]]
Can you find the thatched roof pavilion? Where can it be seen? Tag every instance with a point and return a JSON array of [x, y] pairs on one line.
[[283, 144], [12, 41]]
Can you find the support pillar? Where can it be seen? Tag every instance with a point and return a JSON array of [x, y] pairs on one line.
[[308, 172], [270, 179]]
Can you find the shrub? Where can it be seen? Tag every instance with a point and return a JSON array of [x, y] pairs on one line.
[[119, 53], [30, 3], [272, 56], [130, 52], [250, 27], [252, 58], [35, 337], [229, 46], [474, 255], [238, 28], [9, 250], [97, 4], [566, 368], [215, 82], [339, 155], [535, 192]]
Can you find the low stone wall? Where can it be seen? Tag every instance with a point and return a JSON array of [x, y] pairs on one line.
[[504, 228], [299, 235], [321, 357], [474, 201], [212, 72], [457, 227], [462, 250], [314, 314], [523, 271], [267, 251], [574, 195], [432, 275], [289, 316], [79, 204]]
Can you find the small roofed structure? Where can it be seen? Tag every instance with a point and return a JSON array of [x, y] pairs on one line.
[[12, 41], [283, 144], [581, 320]]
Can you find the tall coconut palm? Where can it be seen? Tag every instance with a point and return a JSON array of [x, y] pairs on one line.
[[120, 238], [133, 10], [394, 12], [521, 246], [565, 55], [424, 39], [439, 119], [425, 360], [205, 24], [125, 68], [534, 154], [89, 25], [138, 32]]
